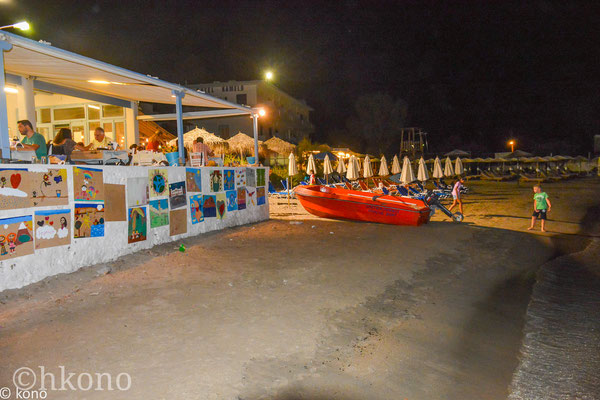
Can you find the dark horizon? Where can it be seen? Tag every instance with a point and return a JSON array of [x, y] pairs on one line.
[[472, 74]]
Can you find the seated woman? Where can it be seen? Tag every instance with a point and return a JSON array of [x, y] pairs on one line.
[[64, 144]]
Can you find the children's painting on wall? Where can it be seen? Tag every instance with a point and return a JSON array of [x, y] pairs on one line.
[[14, 189], [158, 182], [159, 213], [137, 224], [193, 180], [177, 195], [196, 209], [260, 177], [88, 184], [231, 200], [240, 177], [241, 198], [251, 177], [260, 196], [89, 220], [251, 200], [209, 206], [52, 228], [49, 188], [228, 179], [221, 205], [216, 181], [15, 237], [137, 192]]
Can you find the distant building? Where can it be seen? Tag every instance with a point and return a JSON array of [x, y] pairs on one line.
[[286, 117]]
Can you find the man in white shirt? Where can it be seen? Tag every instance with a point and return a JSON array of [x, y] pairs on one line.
[[100, 140]]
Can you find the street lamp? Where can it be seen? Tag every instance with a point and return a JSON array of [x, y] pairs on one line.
[[256, 112], [512, 146], [269, 75], [23, 25]]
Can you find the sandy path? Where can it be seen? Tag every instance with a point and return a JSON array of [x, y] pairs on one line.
[[290, 311]]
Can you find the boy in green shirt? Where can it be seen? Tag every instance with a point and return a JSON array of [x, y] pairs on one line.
[[32, 140], [541, 206]]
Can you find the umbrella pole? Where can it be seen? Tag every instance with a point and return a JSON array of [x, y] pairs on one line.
[[288, 188]]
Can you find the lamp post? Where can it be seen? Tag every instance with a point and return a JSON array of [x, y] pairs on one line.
[[256, 112], [512, 146], [23, 25]]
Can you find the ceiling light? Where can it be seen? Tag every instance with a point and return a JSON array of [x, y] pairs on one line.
[[10, 90]]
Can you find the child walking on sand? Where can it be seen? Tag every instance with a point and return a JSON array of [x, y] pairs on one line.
[[541, 206], [456, 195]]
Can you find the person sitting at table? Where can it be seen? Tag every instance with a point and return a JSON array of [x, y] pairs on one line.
[[101, 141], [154, 142], [200, 147], [32, 141], [64, 144]]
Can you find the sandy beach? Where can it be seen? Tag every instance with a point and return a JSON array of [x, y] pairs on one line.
[[305, 308]]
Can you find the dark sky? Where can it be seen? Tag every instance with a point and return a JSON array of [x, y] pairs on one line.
[[472, 73]]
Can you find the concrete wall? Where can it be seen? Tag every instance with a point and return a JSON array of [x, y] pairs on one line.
[[20, 271]]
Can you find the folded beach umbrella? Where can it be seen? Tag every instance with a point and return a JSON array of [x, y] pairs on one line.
[[437, 169], [422, 173], [341, 168], [448, 170], [352, 172], [311, 167], [367, 169], [327, 168], [395, 165], [458, 167], [407, 175], [292, 167], [383, 168]]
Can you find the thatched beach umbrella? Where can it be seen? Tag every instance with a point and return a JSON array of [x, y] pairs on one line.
[[242, 143], [341, 168], [448, 170], [311, 167], [395, 165], [437, 169], [367, 169], [458, 167], [383, 168], [407, 175], [327, 168], [352, 172], [279, 146], [422, 173]]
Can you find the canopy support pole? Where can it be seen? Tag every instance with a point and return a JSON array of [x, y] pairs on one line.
[[4, 135], [255, 129], [179, 110]]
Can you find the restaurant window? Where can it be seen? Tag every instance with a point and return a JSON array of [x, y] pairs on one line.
[[63, 114], [120, 134], [45, 116], [108, 130], [241, 99], [109, 111], [93, 111], [78, 132]]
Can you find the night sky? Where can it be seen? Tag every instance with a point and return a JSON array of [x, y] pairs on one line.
[[472, 74]]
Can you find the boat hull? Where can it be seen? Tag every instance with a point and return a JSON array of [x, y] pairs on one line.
[[327, 202]]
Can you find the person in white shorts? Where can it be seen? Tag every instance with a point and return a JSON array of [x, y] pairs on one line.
[[456, 195]]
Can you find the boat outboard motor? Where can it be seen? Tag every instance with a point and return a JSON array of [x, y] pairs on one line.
[[433, 202]]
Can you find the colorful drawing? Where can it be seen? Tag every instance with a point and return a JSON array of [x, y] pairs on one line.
[[15, 237], [221, 205], [241, 198], [251, 197], [209, 206], [49, 188], [260, 196], [228, 179], [88, 184], [196, 208], [52, 228], [14, 189], [177, 195], [137, 224], [193, 180], [216, 181], [89, 220], [231, 200], [250, 177], [159, 213], [240, 177], [158, 181], [260, 177], [137, 192]]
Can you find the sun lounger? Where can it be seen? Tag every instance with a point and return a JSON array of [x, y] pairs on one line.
[[275, 193], [363, 186]]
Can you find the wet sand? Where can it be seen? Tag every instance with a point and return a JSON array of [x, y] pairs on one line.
[[306, 308]]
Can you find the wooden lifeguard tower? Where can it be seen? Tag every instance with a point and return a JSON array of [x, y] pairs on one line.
[[413, 142]]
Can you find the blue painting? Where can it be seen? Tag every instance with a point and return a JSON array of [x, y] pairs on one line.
[[196, 210], [231, 200], [228, 180], [193, 179], [209, 206]]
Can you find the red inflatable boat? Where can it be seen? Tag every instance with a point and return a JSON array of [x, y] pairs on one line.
[[328, 202]]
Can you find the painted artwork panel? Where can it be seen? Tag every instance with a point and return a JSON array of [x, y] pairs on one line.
[[250, 177], [137, 192], [241, 198], [88, 184], [16, 238], [196, 210], [251, 198], [159, 213], [52, 228], [231, 196], [260, 177], [221, 206], [216, 180], [228, 179], [240, 177], [177, 197], [49, 188], [89, 220], [158, 182], [137, 225], [178, 222], [193, 180], [14, 189], [260, 196], [115, 208], [209, 206]]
